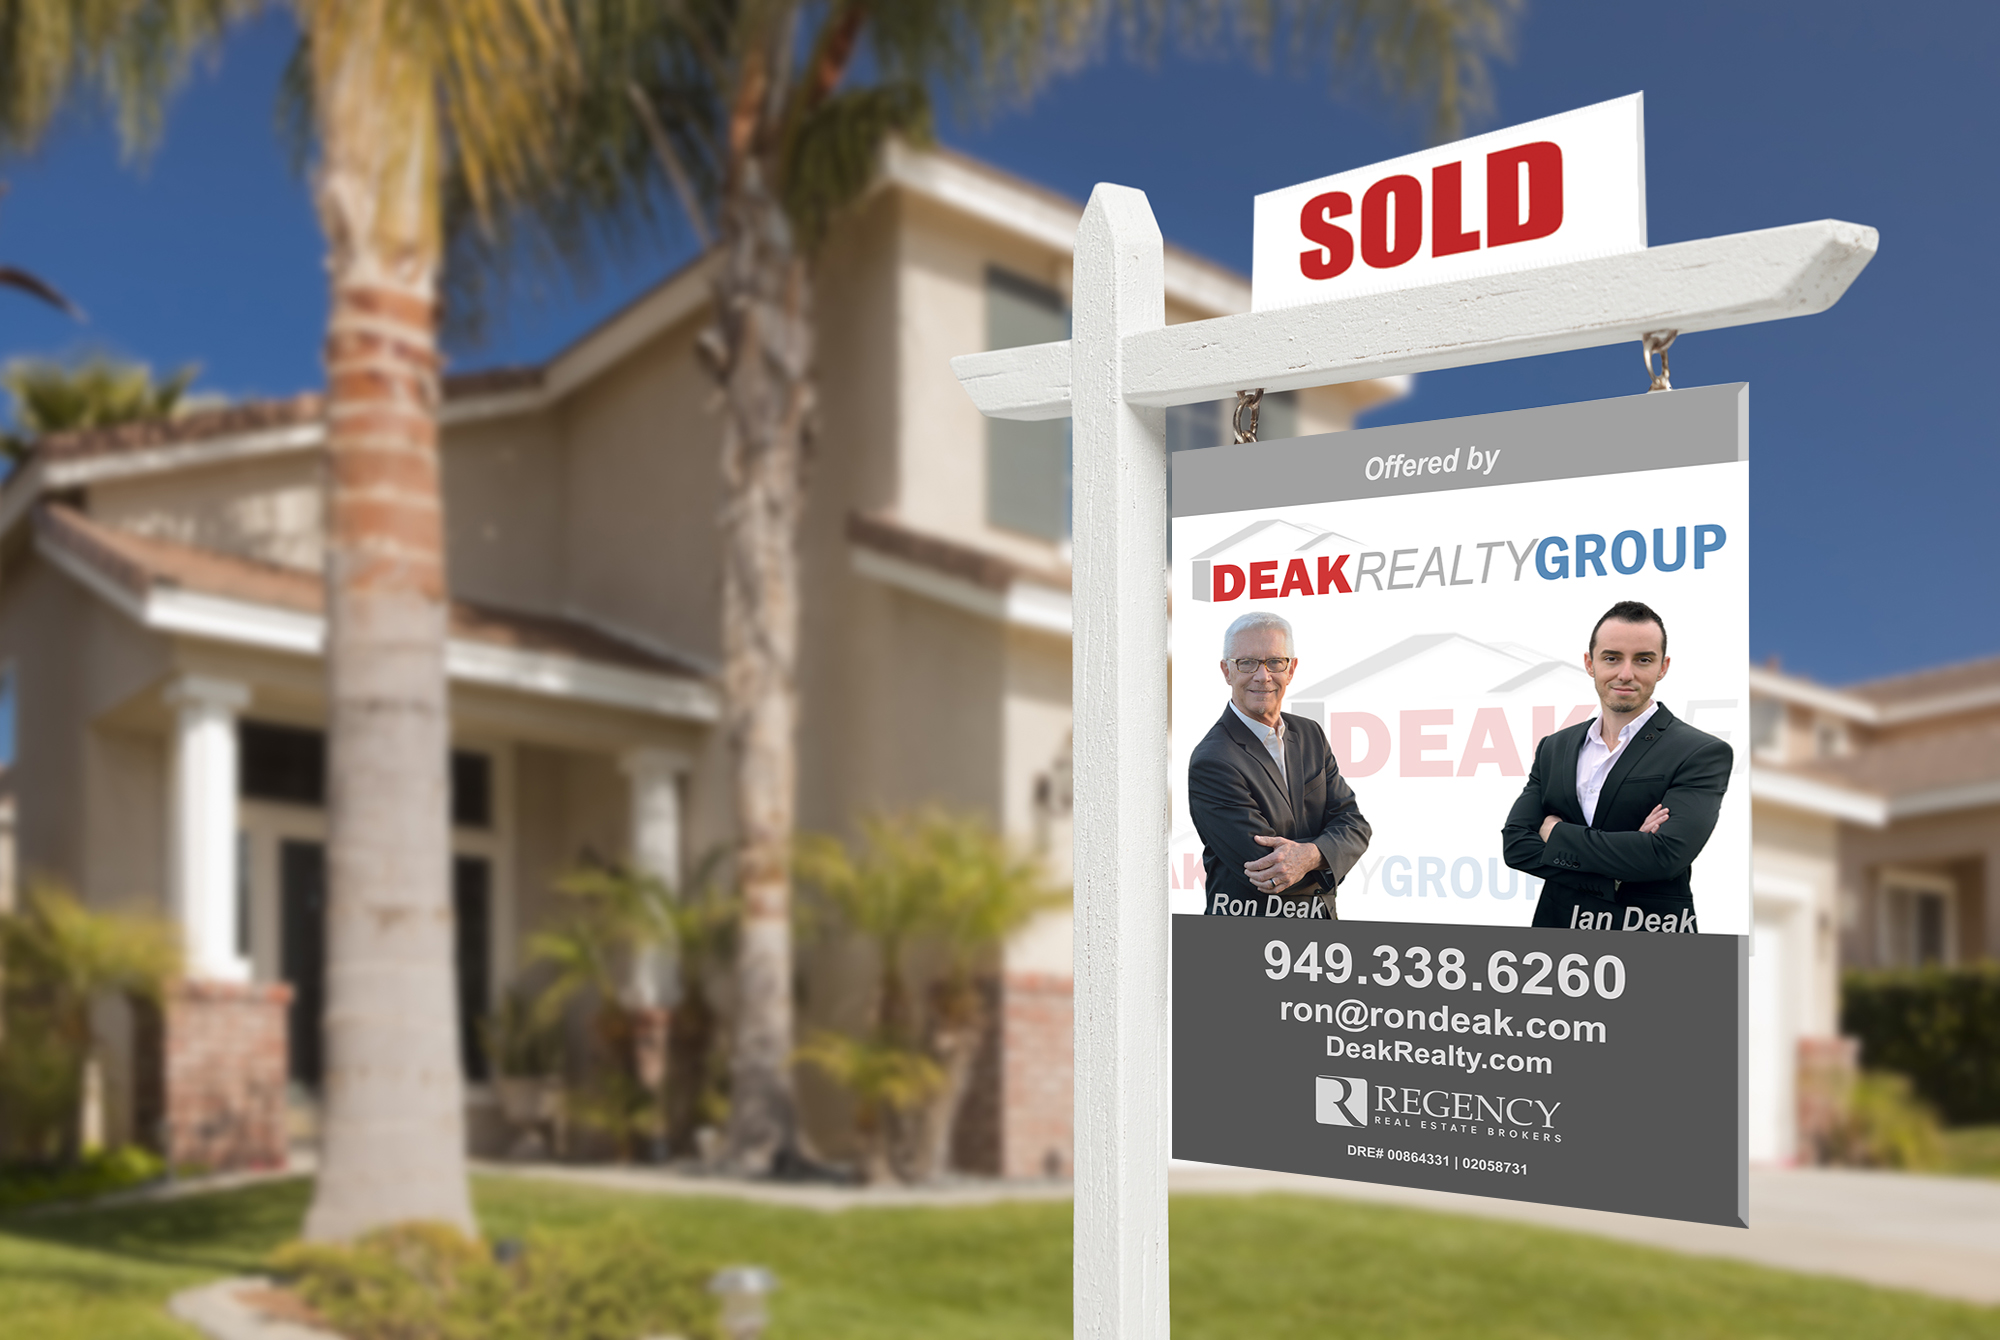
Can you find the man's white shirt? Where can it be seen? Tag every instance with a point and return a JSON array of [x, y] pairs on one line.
[[1272, 736], [1594, 762]]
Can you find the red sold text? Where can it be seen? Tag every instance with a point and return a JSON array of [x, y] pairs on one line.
[[1524, 202]]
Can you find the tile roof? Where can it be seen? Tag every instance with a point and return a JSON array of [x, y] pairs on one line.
[[252, 416], [1962, 756], [140, 564], [234, 420], [981, 567], [1966, 676]]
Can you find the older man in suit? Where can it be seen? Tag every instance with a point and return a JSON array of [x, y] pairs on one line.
[[1617, 808], [1278, 823]]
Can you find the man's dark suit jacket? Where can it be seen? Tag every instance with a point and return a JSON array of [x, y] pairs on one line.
[[1609, 865], [1235, 793]]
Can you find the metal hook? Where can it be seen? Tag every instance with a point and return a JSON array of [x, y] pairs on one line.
[[1657, 342], [1252, 400]]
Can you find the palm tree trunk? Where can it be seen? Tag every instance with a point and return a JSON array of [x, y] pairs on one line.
[[764, 333], [393, 1141]]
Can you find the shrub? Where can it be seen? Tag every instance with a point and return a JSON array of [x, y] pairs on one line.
[[1881, 1125], [56, 955], [97, 1174], [1941, 1027], [431, 1282], [934, 894]]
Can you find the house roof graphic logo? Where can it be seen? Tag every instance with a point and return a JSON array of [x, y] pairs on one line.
[[1274, 536]]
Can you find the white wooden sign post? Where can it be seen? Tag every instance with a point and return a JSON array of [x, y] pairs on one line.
[[1114, 380]]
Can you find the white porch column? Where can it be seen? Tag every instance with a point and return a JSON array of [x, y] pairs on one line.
[[654, 776], [201, 834]]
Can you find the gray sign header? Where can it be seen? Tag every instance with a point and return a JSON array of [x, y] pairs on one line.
[[1657, 431]]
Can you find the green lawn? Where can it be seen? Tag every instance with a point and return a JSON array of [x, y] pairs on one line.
[[1972, 1150], [1273, 1266]]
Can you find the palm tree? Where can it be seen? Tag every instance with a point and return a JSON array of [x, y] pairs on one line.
[[948, 885], [401, 93], [762, 121], [93, 392]]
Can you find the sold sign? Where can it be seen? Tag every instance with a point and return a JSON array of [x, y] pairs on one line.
[[1564, 188]]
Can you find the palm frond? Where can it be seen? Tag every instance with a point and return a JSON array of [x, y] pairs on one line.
[[16, 278], [1433, 54], [831, 154], [129, 54]]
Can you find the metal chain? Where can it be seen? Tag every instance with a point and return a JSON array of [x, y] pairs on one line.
[[1657, 342], [1251, 400]]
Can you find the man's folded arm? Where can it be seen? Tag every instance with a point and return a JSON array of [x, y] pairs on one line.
[[1694, 802], [1226, 813], [1344, 832], [1521, 837]]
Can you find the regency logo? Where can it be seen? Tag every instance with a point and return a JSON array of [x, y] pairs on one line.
[[1339, 1101]]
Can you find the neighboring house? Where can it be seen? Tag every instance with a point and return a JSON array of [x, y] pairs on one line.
[[1877, 845], [162, 701]]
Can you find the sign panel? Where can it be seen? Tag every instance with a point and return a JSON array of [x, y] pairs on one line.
[[1417, 1056], [1564, 188], [1441, 616]]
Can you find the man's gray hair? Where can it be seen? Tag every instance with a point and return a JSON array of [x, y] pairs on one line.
[[1251, 622]]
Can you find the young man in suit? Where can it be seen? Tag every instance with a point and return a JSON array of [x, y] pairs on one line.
[[1617, 808], [1278, 823]]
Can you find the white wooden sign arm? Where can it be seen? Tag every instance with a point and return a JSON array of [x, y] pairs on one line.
[[1709, 284], [1119, 696]]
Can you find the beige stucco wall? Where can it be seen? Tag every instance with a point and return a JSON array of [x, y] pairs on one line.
[[266, 508], [504, 485], [1964, 846], [641, 493], [1795, 872], [941, 438], [76, 659]]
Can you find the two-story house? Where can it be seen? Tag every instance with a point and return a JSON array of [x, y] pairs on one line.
[[1877, 813], [162, 701]]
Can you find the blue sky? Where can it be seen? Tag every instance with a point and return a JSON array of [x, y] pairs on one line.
[[1875, 450]]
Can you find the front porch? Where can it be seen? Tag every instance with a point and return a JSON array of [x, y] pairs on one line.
[[206, 799]]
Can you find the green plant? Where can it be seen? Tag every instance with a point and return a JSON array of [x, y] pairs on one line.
[[57, 955], [1939, 1026], [627, 947], [96, 391], [926, 888], [521, 1041], [887, 1081], [1882, 1125], [97, 1173], [432, 1282]]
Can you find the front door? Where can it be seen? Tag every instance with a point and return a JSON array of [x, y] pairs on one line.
[[471, 905], [302, 890], [302, 950]]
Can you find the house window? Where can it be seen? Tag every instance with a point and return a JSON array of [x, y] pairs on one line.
[[286, 764], [1766, 715], [8, 680], [1918, 929], [471, 790], [1027, 464]]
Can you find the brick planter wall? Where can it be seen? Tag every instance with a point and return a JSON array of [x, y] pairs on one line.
[[222, 1075], [1037, 1075]]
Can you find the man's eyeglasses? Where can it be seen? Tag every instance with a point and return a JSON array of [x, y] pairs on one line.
[[1277, 665]]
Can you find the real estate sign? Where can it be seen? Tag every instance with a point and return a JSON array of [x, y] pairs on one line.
[[1564, 188], [1395, 651]]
